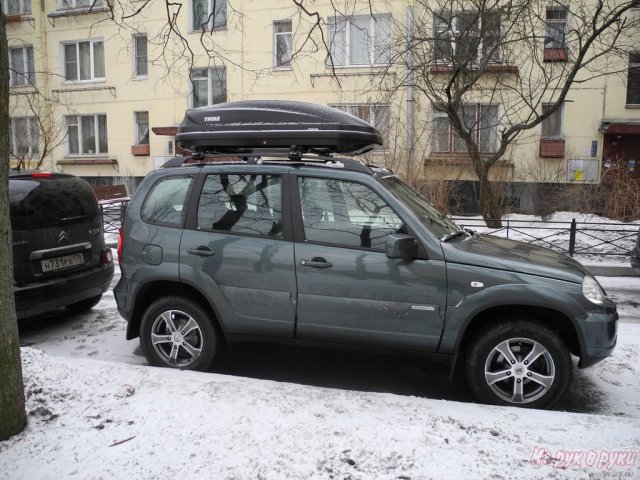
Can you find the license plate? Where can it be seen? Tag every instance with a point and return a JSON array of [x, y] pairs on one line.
[[59, 263]]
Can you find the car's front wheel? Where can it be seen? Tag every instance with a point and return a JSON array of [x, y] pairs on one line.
[[179, 333], [520, 363]]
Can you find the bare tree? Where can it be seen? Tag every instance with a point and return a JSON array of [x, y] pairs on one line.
[[492, 70], [12, 410]]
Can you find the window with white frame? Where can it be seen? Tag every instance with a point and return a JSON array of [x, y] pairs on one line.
[[25, 136], [480, 120], [86, 134], [142, 128], [360, 40], [633, 79], [552, 125], [466, 37], [208, 14], [140, 55], [84, 61], [71, 4], [282, 43], [209, 86], [376, 115], [555, 27], [21, 66], [16, 7]]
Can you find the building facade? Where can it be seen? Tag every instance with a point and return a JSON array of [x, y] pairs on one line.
[[98, 87]]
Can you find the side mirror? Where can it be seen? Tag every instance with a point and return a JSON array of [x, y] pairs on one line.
[[399, 245]]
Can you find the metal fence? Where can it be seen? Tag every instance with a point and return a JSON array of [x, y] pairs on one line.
[[573, 238], [112, 215]]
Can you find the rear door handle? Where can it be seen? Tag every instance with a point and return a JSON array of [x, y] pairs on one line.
[[316, 262], [201, 251]]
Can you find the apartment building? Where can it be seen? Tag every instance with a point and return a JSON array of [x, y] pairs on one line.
[[102, 98]]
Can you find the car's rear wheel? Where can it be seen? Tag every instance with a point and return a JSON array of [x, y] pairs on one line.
[[179, 333], [520, 363], [84, 305]]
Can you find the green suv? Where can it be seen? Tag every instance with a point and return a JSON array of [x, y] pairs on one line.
[[307, 248]]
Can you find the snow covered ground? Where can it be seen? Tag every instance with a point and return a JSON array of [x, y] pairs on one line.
[[97, 410]]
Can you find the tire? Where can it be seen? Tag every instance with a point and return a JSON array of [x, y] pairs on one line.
[[520, 363], [193, 348], [84, 305]]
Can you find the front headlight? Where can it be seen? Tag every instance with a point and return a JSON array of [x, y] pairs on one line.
[[592, 290]]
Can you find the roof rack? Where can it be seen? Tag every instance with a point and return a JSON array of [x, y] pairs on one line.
[[279, 156]]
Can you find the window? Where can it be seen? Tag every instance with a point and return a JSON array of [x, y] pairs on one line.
[[345, 213], [552, 125], [140, 55], [68, 4], [375, 115], [209, 86], [86, 134], [16, 7], [466, 38], [360, 40], [21, 67], [556, 27], [142, 128], [633, 79], [249, 204], [164, 204], [480, 120], [25, 136], [84, 60], [283, 43], [208, 14]]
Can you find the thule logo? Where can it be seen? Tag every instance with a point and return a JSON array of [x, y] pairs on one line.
[[212, 119], [62, 236]]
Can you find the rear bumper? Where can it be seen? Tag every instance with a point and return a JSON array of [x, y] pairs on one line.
[[42, 297]]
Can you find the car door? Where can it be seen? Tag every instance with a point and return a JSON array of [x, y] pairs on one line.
[[349, 291], [235, 251]]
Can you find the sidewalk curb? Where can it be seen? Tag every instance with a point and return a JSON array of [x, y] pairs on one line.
[[612, 270]]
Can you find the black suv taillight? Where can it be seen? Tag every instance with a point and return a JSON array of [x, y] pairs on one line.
[[107, 257]]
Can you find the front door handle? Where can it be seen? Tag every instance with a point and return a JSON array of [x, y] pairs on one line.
[[201, 251], [316, 262]]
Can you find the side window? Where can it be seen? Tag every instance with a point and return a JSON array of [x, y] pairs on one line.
[[249, 204], [345, 213], [165, 203]]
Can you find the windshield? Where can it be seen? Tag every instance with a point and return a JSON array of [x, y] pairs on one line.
[[430, 216]]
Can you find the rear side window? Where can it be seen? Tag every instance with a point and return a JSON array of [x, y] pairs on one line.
[[165, 202], [40, 203], [249, 204]]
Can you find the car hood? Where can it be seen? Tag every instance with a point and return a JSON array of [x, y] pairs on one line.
[[503, 254]]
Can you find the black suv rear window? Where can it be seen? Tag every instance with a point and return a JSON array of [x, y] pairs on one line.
[[42, 203]]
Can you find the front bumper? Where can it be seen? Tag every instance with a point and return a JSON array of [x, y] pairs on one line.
[[600, 336]]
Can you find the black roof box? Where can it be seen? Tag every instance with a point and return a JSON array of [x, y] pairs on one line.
[[275, 124]]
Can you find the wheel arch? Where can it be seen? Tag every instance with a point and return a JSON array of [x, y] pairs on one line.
[[151, 291], [554, 319]]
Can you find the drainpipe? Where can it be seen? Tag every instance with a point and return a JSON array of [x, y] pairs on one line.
[[410, 90]]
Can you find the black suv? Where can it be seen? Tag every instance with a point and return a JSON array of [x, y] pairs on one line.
[[59, 254], [306, 248]]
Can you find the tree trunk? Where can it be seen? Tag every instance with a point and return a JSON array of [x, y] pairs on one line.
[[12, 413], [489, 201]]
